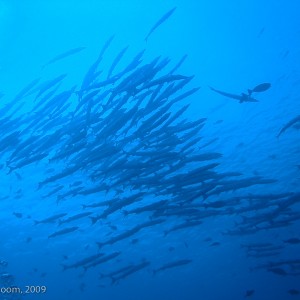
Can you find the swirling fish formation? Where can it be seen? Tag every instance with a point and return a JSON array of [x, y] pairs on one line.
[[125, 136]]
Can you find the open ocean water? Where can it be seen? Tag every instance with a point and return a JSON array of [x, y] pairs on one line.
[[149, 150]]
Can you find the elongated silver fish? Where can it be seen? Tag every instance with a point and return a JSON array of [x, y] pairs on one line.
[[63, 55], [160, 21], [289, 124], [63, 231]]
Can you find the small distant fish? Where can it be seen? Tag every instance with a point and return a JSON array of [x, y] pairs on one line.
[[134, 241], [173, 264], [249, 293], [75, 183], [218, 122], [18, 215], [293, 292], [18, 175], [51, 219], [116, 61], [292, 241], [63, 55], [278, 271], [63, 231], [289, 124], [178, 64], [215, 244], [74, 218], [160, 21], [113, 227]]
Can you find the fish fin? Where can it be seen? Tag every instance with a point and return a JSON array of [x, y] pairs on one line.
[[11, 169], [94, 220], [40, 184]]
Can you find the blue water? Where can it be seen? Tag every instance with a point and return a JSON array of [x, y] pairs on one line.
[[223, 225]]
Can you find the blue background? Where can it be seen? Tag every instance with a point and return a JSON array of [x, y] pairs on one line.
[[231, 45]]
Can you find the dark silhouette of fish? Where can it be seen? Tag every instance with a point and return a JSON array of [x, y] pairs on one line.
[[18, 215], [249, 293], [51, 219], [260, 88], [160, 21], [173, 264], [74, 218], [292, 241], [289, 124], [129, 271], [242, 98], [63, 55], [278, 271], [101, 260], [116, 61], [83, 262], [63, 231], [293, 292]]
